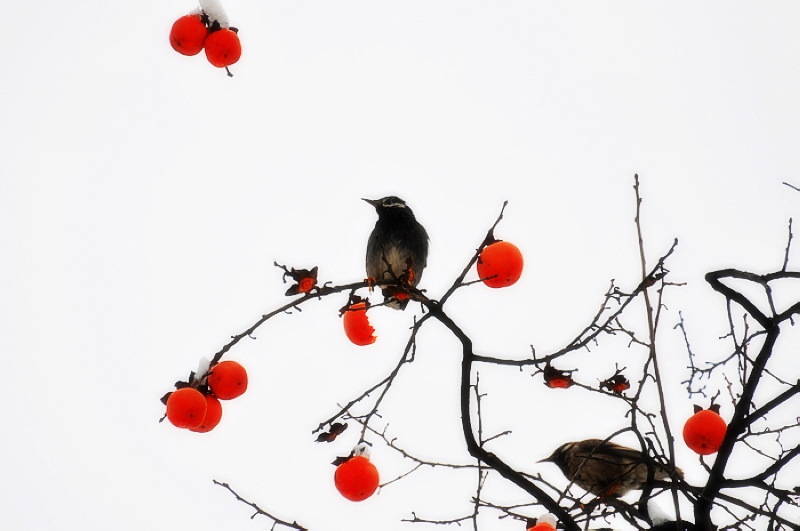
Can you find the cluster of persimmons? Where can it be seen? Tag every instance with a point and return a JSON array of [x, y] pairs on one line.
[[192, 33]]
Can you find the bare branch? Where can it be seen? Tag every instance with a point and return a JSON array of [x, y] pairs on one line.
[[259, 510]]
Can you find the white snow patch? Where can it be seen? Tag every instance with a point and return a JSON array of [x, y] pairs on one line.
[[215, 12]]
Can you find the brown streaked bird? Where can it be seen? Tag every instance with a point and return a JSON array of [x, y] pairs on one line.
[[605, 469]]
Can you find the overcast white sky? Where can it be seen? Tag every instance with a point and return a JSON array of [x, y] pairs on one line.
[[144, 196]]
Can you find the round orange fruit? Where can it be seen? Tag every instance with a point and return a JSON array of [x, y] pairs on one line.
[[357, 478], [186, 407], [704, 432], [227, 380], [188, 35], [213, 415], [223, 48], [500, 264]]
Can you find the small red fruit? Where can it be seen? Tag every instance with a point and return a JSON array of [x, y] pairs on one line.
[[500, 264], [616, 384], [213, 415], [187, 35], [227, 380], [357, 478], [356, 325], [186, 407], [560, 383], [704, 432], [306, 284], [557, 379], [223, 48]]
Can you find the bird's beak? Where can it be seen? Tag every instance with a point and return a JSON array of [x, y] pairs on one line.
[[550, 459], [373, 202]]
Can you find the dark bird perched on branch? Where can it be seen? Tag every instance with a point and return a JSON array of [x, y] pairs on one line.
[[605, 469], [397, 248]]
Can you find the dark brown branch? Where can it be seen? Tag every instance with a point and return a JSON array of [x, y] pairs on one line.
[[772, 404], [594, 329], [742, 417], [325, 290], [486, 241], [385, 383], [755, 510], [391, 443], [788, 246], [769, 471], [652, 323], [473, 446], [259, 510], [735, 428], [417, 520], [714, 278], [296, 303]]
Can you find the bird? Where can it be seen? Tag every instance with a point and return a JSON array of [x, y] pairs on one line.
[[606, 469], [397, 249]]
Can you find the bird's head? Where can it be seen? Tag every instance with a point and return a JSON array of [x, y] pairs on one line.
[[558, 457], [387, 203]]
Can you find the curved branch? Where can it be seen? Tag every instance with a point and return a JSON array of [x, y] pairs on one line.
[[735, 428], [259, 510], [473, 447], [714, 278], [486, 241]]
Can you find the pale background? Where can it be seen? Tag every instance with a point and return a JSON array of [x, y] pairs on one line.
[[144, 196]]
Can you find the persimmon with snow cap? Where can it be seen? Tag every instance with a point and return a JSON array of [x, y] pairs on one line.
[[356, 478], [500, 264]]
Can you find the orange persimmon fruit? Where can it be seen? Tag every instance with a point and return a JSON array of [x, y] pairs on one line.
[[356, 325], [186, 407], [500, 264], [213, 415], [188, 34], [227, 380], [223, 48], [704, 432], [357, 478], [546, 522]]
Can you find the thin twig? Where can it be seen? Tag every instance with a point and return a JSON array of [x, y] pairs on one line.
[[652, 329], [788, 246], [259, 510]]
